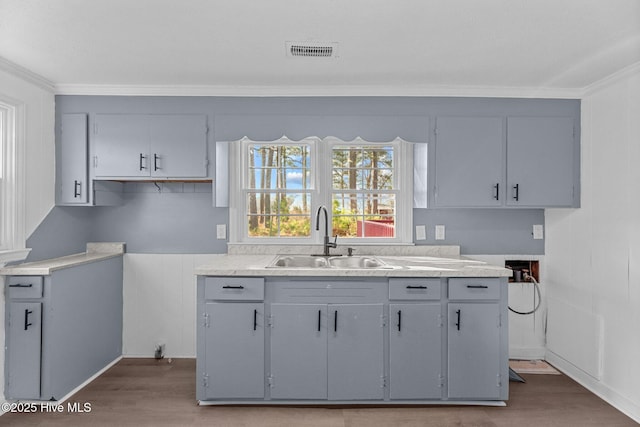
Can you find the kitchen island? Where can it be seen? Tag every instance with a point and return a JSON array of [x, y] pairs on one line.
[[63, 322], [370, 329]]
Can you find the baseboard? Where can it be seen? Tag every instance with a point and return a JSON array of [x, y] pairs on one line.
[[151, 356], [527, 353], [595, 386]]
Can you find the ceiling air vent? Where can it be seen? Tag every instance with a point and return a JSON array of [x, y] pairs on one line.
[[312, 50]]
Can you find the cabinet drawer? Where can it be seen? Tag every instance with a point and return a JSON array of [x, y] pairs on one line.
[[474, 289], [414, 289], [234, 288], [25, 287]]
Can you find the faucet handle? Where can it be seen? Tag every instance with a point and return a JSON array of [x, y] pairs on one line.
[[350, 251]]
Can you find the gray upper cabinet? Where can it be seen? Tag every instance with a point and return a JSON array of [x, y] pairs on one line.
[[73, 177], [523, 161], [121, 145], [156, 146], [540, 154], [469, 159]]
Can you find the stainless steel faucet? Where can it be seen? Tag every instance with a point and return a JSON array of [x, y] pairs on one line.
[[327, 243]]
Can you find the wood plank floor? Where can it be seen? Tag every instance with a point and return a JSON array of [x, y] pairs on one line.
[[139, 392]]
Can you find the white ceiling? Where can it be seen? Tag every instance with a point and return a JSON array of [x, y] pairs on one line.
[[394, 46]]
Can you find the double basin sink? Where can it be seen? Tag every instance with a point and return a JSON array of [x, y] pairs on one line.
[[309, 261]]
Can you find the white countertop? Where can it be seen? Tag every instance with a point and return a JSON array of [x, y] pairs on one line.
[[398, 266], [95, 252]]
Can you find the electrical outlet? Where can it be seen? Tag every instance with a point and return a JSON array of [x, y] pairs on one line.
[[538, 231], [421, 232], [439, 232], [221, 231]]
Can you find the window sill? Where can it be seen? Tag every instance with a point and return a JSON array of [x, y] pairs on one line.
[[13, 255]]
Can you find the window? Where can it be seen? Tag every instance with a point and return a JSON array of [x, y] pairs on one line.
[[278, 186], [4, 146], [10, 227], [281, 184], [364, 190]]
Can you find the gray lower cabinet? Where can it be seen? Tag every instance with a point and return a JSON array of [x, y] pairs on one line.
[[298, 351], [23, 355], [476, 358], [336, 340], [355, 360], [338, 351], [415, 351], [234, 350], [62, 328]]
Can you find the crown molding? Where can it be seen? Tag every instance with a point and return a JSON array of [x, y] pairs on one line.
[[611, 79], [294, 91], [25, 74]]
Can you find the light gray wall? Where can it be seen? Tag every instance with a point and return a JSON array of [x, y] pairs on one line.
[[484, 231], [174, 218], [65, 230], [179, 222]]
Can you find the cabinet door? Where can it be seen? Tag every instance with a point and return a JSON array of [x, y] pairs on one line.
[[474, 351], [234, 350], [540, 152], [24, 350], [298, 351], [469, 161], [73, 159], [355, 360], [121, 145], [178, 146], [415, 351]]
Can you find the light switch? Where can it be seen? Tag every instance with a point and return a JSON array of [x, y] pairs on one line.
[[538, 231], [439, 232], [421, 232], [221, 231]]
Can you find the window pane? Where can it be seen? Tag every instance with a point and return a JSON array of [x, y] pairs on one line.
[[378, 226], [296, 179], [346, 157], [347, 204], [278, 214], [366, 168], [344, 178], [279, 166], [345, 226], [364, 215]]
